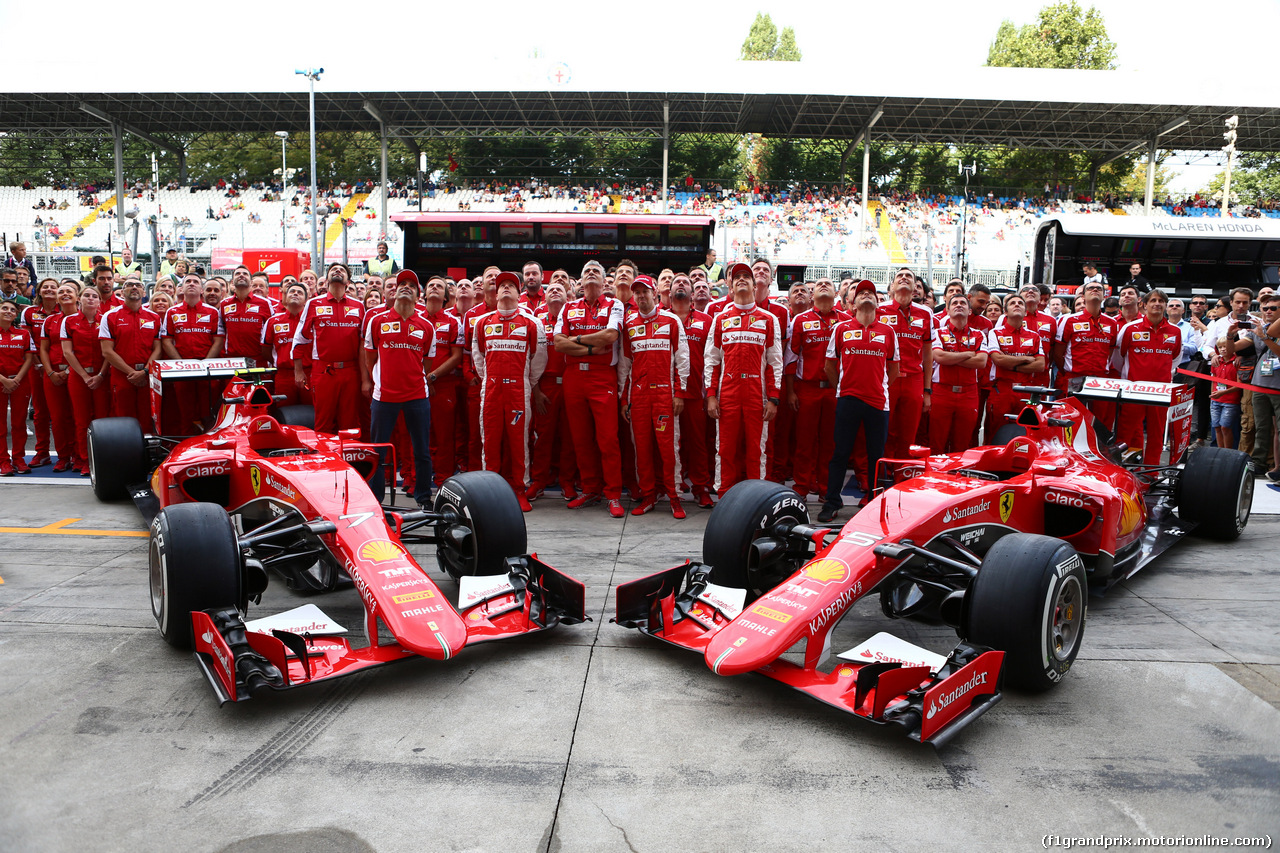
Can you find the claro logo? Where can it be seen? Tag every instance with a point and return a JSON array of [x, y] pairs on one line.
[[206, 470], [1064, 499], [946, 699]]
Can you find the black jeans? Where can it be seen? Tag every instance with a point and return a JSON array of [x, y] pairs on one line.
[[417, 420], [851, 415]]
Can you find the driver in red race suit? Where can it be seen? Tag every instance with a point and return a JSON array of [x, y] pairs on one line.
[[1150, 349], [912, 395], [329, 333], [809, 393], [1018, 358], [960, 354], [744, 376], [653, 369], [508, 357], [1085, 342]]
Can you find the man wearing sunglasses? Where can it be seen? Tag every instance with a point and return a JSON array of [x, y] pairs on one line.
[[1266, 407]]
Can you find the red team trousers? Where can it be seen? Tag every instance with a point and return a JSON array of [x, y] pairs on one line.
[[591, 398]]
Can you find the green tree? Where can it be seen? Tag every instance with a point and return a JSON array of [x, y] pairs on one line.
[[764, 43], [1063, 36], [1255, 178], [1135, 183]]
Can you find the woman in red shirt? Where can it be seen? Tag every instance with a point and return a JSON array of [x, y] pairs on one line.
[[56, 394], [16, 358], [87, 379]]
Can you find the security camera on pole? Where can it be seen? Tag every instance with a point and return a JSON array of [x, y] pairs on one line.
[[1232, 123], [317, 261]]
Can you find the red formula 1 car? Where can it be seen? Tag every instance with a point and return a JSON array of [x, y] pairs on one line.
[[1001, 542], [256, 496]]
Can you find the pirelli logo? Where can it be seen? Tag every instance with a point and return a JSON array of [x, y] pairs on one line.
[[413, 596], [770, 613]]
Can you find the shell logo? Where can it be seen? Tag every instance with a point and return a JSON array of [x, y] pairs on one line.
[[845, 671], [826, 571], [380, 550]]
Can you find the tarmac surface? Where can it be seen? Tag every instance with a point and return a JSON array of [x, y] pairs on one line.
[[595, 738]]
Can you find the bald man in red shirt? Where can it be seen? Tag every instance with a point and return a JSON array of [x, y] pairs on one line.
[[330, 334]]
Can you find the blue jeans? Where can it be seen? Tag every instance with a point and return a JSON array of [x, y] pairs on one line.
[[417, 419], [1227, 416]]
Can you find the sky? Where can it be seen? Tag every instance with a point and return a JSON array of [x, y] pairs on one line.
[[234, 39]]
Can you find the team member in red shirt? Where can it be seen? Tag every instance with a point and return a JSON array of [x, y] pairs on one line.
[[105, 281], [17, 355], [32, 319], [329, 333], [1085, 343], [862, 364], [130, 338], [587, 335], [1150, 350], [56, 394], [552, 440], [808, 391], [509, 357], [744, 377], [87, 380], [960, 356], [190, 330], [911, 396], [277, 340], [1039, 322], [443, 378], [654, 366], [532, 298], [1019, 357], [243, 315], [695, 456], [397, 348]]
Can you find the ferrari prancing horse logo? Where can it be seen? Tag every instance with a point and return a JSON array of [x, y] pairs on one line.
[[1006, 505], [255, 479]]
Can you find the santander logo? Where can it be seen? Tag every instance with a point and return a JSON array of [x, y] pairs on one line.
[[946, 699], [964, 512]]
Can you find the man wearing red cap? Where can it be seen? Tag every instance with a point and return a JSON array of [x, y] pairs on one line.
[[587, 333], [809, 393], [329, 334], [862, 363], [960, 354], [744, 376], [911, 395], [508, 358], [654, 366]]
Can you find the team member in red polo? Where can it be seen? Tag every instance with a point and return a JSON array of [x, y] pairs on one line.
[[695, 458], [509, 358], [130, 338], [17, 355], [243, 315], [32, 319], [911, 396], [587, 334], [190, 330], [329, 333], [1039, 322], [55, 371], [87, 380], [444, 375], [1085, 342], [809, 393], [654, 366], [744, 378], [1150, 350], [1019, 357], [277, 341], [397, 347], [552, 440], [532, 297], [862, 363], [960, 354]]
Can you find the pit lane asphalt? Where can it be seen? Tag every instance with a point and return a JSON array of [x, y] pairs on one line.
[[595, 738]]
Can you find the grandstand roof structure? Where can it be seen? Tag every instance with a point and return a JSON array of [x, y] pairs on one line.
[[1104, 111]]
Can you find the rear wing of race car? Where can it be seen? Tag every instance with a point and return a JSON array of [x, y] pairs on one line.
[[189, 370], [1177, 398]]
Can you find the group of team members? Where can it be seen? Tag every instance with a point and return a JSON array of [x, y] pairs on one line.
[[617, 380]]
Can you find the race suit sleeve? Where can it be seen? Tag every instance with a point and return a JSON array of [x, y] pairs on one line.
[[773, 359], [538, 360], [477, 352], [681, 360], [301, 335], [712, 358]]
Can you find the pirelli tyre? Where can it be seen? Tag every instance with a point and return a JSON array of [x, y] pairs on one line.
[[194, 565], [1029, 601], [117, 457], [1215, 491], [297, 416], [736, 543], [484, 524]]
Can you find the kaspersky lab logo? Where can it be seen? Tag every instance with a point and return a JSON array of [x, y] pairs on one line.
[[947, 698]]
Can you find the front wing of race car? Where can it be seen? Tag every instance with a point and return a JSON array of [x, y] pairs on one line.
[[240, 663], [930, 703]]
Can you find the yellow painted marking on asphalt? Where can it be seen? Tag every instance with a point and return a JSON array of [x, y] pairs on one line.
[[62, 528]]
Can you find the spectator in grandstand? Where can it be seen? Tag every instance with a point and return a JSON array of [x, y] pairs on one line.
[[130, 338], [329, 333], [87, 380], [18, 258], [16, 359], [169, 265]]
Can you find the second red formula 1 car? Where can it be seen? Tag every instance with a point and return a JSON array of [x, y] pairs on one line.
[[256, 497], [1001, 542]]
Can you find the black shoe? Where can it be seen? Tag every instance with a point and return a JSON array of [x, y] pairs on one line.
[[1273, 476], [828, 512]]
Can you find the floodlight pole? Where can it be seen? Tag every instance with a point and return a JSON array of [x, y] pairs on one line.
[[317, 252], [964, 216], [284, 185], [666, 149], [1232, 123]]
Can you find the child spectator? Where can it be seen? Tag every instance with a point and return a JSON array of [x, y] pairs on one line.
[[1224, 401]]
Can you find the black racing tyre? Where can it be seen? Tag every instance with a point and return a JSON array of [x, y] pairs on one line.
[[1215, 491], [297, 416], [487, 524], [737, 521], [1008, 433], [195, 565], [117, 457], [1029, 600]]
